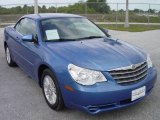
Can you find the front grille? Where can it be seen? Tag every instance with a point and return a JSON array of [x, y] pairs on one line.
[[130, 74]]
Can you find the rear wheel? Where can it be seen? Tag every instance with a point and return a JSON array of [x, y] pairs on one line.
[[51, 90], [9, 60]]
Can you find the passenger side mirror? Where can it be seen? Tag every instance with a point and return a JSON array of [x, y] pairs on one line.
[[106, 32], [29, 38]]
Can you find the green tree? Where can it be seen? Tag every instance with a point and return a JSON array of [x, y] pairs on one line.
[[52, 9], [16, 10], [43, 9], [100, 6], [152, 11], [121, 11], [78, 8]]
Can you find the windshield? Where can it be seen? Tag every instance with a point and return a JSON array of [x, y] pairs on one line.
[[67, 29]]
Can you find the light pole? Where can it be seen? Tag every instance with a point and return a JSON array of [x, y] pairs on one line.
[[35, 6], [127, 15]]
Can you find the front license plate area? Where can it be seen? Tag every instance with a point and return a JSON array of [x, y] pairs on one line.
[[138, 93]]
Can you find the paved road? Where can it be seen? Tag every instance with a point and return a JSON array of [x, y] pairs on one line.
[[22, 99]]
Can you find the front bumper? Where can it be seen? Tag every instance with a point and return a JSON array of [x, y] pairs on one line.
[[107, 95]]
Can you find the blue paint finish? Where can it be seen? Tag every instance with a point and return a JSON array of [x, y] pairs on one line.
[[97, 54]]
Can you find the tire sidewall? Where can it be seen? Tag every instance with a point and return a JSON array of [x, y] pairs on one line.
[[9, 63], [49, 73]]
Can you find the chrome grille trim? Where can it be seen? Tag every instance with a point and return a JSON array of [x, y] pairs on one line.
[[129, 74], [136, 74], [128, 67], [132, 80], [112, 73]]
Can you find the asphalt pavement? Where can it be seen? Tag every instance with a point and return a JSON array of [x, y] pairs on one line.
[[21, 97]]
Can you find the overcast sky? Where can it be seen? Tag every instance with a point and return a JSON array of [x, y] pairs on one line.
[[61, 1], [4, 2]]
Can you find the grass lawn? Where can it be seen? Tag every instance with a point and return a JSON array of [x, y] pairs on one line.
[[2, 26], [132, 28]]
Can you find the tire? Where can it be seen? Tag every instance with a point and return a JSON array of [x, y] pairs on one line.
[[9, 59], [51, 90]]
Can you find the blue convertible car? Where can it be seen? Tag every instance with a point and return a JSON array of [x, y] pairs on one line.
[[77, 64]]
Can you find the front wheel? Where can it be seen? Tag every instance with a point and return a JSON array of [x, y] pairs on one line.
[[51, 90], [9, 60]]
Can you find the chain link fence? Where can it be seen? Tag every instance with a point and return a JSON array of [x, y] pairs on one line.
[[102, 13]]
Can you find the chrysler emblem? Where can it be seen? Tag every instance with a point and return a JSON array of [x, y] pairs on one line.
[[133, 66]]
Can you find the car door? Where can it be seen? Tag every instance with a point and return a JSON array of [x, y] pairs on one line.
[[27, 53]]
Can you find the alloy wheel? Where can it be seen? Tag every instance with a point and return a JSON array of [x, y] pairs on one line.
[[50, 90]]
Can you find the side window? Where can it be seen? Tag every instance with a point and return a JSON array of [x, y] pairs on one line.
[[26, 26], [18, 26]]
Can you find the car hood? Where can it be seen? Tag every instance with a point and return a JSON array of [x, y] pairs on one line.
[[98, 54]]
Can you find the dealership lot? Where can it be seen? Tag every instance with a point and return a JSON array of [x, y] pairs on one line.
[[21, 97]]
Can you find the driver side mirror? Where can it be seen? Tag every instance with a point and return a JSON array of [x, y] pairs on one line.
[[106, 32], [29, 38]]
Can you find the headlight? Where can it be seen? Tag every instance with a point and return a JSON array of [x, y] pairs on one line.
[[149, 62], [85, 76]]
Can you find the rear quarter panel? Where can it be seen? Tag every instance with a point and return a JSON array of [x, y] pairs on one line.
[[9, 34]]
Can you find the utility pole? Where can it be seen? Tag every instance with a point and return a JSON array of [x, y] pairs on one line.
[[127, 15], [35, 6]]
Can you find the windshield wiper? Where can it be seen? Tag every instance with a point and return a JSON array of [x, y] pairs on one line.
[[63, 39], [60, 40], [89, 37]]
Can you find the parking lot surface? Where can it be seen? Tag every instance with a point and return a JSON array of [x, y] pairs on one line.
[[21, 97]]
